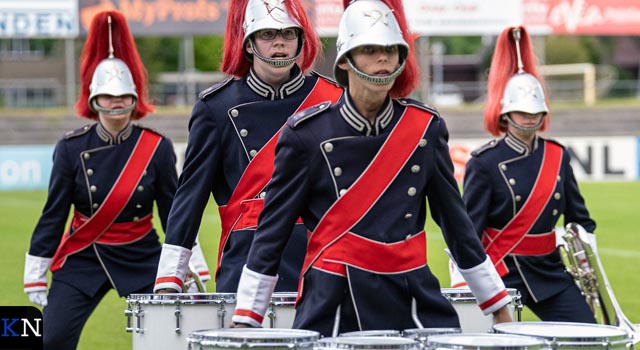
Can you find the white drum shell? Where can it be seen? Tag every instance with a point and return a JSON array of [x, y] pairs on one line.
[[472, 320], [484, 341]]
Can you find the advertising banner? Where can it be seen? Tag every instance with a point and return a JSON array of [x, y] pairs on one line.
[[38, 18]]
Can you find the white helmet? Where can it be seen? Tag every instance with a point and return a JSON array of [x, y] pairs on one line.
[[367, 22], [524, 93], [111, 77]]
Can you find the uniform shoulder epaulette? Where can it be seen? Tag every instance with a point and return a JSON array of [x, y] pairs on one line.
[[306, 114], [211, 90], [150, 129], [554, 141], [77, 132], [419, 105], [327, 78], [487, 146]]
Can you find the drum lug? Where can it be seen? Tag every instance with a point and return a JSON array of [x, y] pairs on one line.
[[128, 314], [222, 312], [138, 314], [178, 314], [271, 314]]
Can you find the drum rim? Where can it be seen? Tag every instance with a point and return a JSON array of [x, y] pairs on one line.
[[253, 337], [533, 343], [375, 342], [373, 333], [182, 298], [623, 337]]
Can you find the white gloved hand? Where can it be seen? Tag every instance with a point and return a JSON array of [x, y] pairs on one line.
[[35, 278], [38, 298]]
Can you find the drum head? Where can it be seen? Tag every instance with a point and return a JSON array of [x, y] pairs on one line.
[[370, 342], [479, 341], [568, 334], [422, 334], [255, 338], [372, 333]]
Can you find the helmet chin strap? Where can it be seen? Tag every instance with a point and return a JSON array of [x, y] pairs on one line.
[[115, 111], [275, 62], [375, 79], [522, 129]]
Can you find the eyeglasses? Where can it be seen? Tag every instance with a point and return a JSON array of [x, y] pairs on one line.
[[270, 34]]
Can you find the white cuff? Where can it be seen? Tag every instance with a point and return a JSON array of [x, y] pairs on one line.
[[35, 273], [253, 297], [199, 263], [172, 268], [487, 286]]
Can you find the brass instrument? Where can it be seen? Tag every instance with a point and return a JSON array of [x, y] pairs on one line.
[[584, 264], [193, 278]]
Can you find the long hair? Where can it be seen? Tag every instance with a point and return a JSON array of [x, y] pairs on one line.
[[504, 65], [235, 63], [96, 49]]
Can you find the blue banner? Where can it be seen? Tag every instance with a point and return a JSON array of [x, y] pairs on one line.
[[25, 167]]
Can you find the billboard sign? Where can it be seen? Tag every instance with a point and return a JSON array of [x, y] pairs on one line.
[[38, 19]]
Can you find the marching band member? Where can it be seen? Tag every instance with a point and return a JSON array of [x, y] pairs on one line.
[[269, 47], [516, 187], [111, 172], [358, 173]]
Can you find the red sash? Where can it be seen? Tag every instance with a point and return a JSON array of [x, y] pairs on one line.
[[351, 207], [501, 244], [243, 208], [95, 227]]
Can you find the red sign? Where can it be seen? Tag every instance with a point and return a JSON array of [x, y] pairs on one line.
[[588, 17]]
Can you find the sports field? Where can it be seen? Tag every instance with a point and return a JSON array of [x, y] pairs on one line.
[[613, 205]]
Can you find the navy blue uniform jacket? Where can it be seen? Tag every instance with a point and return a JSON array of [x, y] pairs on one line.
[[498, 180], [86, 164]]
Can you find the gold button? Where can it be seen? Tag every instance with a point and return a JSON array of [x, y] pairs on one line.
[[328, 147], [337, 171], [89, 172], [234, 112], [415, 169]]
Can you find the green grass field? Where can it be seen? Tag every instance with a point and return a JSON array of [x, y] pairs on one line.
[[613, 205]]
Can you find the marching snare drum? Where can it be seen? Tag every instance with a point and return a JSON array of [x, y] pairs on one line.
[[472, 320], [281, 311], [484, 341], [252, 338], [571, 335], [162, 321], [367, 343]]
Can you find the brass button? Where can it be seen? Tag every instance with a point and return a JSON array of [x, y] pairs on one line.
[[415, 169], [412, 191], [328, 147], [244, 132], [503, 167], [93, 188], [337, 171], [89, 172], [234, 112], [86, 155], [253, 153], [518, 198], [422, 143], [140, 188], [512, 182], [557, 196]]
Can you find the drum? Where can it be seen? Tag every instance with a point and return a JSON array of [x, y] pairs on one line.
[[281, 311], [252, 338], [367, 343], [570, 335], [484, 341], [422, 334], [472, 320], [162, 321]]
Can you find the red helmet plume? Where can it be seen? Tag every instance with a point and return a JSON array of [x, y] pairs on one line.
[[235, 62], [96, 49], [504, 65]]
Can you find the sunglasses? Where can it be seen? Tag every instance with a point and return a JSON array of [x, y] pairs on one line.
[[270, 34]]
